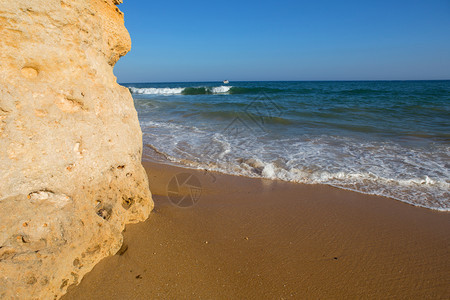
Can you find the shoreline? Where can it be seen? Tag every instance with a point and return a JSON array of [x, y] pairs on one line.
[[260, 238], [166, 161]]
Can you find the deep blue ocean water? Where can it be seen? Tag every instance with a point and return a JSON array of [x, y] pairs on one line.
[[389, 138]]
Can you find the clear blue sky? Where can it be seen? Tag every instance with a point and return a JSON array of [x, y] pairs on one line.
[[286, 40]]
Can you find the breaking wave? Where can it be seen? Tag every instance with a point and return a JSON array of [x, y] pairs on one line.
[[182, 90], [202, 90]]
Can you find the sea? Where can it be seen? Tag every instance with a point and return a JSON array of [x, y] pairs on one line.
[[387, 138]]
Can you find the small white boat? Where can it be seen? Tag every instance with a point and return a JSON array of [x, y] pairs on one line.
[[226, 82]]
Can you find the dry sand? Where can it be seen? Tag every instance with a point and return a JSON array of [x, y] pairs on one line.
[[260, 239]]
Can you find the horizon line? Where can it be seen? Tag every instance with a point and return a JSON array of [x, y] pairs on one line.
[[341, 80]]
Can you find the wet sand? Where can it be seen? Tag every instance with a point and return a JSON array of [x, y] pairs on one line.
[[260, 239]]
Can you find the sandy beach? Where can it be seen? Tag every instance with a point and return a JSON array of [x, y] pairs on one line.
[[250, 238]]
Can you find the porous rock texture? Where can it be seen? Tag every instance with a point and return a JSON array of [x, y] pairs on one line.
[[70, 144]]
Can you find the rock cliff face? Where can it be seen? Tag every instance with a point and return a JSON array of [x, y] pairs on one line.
[[70, 144]]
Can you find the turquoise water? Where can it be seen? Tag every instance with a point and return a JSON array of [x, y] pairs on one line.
[[389, 138]]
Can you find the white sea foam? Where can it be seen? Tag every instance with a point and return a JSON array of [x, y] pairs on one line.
[[157, 91], [177, 91], [221, 89], [268, 171], [371, 168]]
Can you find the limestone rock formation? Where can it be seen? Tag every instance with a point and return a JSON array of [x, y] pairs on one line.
[[70, 144]]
